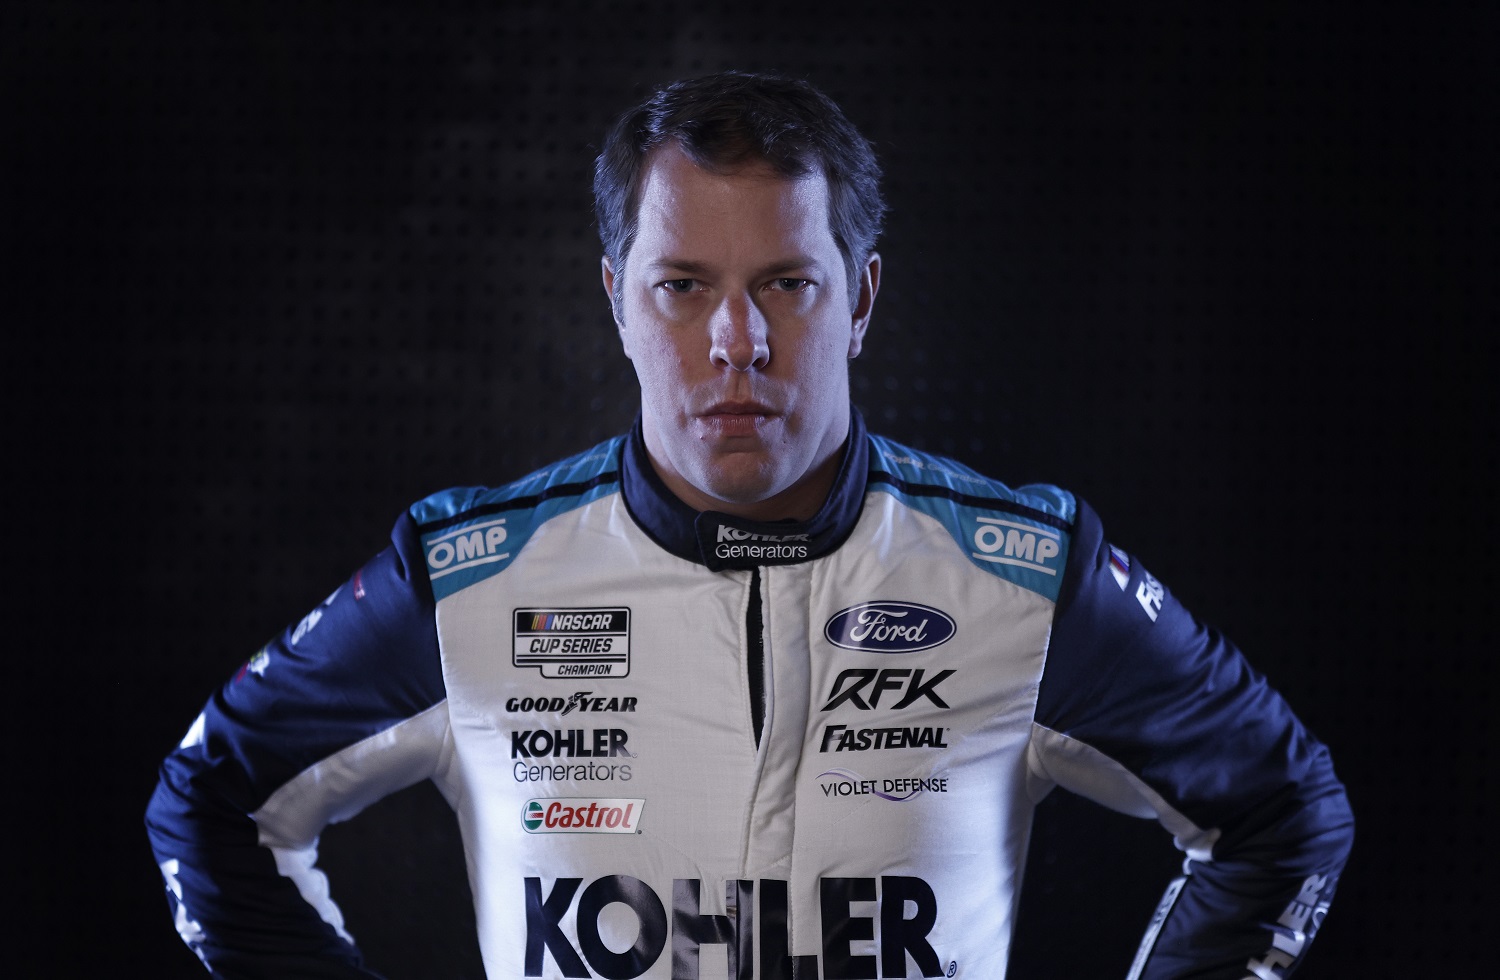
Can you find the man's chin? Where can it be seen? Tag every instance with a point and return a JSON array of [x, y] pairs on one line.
[[741, 480], [766, 483], [738, 491]]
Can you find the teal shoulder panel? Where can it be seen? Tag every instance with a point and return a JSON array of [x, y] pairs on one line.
[[472, 533], [1021, 535]]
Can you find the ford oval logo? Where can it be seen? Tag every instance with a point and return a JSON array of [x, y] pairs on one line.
[[890, 627]]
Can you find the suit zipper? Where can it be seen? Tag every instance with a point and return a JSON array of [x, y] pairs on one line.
[[755, 644]]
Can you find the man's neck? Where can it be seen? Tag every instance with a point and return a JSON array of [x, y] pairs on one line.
[[821, 523], [799, 502]]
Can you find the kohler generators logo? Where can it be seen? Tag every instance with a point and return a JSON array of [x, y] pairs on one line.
[[888, 626], [566, 926]]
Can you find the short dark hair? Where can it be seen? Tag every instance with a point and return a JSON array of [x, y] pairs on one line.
[[732, 119]]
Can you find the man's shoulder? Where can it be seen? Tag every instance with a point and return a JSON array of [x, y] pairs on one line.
[[905, 471], [574, 477], [468, 534], [1022, 535]]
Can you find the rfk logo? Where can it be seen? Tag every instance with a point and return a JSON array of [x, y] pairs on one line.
[[863, 687]]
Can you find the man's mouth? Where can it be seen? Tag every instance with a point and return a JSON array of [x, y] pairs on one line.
[[736, 418], [738, 408]]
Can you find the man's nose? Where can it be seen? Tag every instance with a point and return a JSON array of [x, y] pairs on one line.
[[739, 335]]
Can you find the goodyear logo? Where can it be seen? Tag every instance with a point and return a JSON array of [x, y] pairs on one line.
[[581, 816], [1013, 543], [572, 643], [476, 544]]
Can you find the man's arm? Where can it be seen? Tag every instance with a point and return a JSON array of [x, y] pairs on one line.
[[339, 710], [1147, 711]]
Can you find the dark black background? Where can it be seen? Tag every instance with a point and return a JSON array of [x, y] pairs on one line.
[[276, 270]]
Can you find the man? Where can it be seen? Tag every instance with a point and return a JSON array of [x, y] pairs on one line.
[[783, 691]]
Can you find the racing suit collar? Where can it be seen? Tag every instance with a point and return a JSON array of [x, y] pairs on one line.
[[721, 541]]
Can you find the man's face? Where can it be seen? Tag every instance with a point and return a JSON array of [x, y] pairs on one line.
[[735, 312]]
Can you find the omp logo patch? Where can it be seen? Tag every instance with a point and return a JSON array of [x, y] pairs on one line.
[[476, 544], [581, 816], [570, 643], [1013, 543]]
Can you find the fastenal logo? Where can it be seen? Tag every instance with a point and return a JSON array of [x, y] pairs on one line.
[[581, 816], [573, 642], [887, 626], [842, 738], [477, 544], [1013, 543], [1150, 595]]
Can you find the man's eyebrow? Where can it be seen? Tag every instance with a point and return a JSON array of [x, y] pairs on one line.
[[691, 267], [794, 263], [687, 266]]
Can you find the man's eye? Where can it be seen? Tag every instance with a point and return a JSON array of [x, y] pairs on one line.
[[678, 285], [788, 285]]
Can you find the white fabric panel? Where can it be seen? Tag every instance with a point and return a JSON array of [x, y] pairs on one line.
[[194, 734], [1158, 919], [336, 788], [340, 786], [1083, 769], [300, 865]]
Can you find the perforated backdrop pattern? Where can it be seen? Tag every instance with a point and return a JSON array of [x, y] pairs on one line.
[[276, 270]]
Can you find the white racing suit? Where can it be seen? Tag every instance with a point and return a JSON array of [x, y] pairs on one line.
[[689, 745]]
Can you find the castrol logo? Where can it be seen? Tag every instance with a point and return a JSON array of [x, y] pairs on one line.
[[581, 816]]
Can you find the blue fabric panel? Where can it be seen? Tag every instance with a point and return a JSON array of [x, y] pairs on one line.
[[471, 533], [1131, 673], [301, 698], [1019, 535]]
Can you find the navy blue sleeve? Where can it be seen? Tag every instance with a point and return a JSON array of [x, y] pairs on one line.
[[361, 663], [1138, 693]]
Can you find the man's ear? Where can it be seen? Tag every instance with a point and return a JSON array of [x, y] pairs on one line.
[[607, 276], [864, 304]]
